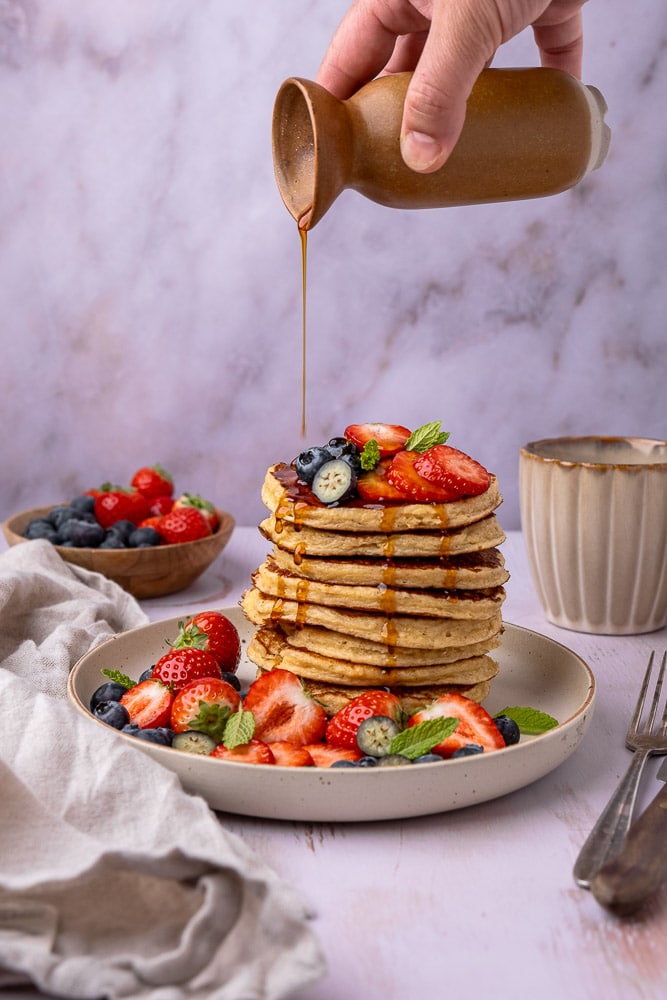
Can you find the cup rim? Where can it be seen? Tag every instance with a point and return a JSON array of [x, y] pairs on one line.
[[541, 449]]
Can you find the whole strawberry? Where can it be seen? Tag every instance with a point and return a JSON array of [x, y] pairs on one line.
[[180, 666], [183, 524], [153, 481], [212, 631], [343, 726], [200, 504], [116, 504]]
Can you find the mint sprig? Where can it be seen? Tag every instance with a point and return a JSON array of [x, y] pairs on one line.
[[529, 720], [420, 739], [426, 436], [240, 728], [370, 455], [118, 678]]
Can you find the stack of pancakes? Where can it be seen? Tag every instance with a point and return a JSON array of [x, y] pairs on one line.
[[406, 596]]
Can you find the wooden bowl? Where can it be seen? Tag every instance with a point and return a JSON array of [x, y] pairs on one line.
[[149, 572]]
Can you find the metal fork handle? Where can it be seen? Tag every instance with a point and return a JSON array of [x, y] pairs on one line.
[[605, 839]]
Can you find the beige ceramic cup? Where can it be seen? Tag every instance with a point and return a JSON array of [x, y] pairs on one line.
[[594, 520]]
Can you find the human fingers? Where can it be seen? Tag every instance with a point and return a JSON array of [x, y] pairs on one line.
[[364, 42], [463, 38], [561, 41]]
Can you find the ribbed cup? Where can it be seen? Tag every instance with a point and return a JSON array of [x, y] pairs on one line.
[[594, 520]]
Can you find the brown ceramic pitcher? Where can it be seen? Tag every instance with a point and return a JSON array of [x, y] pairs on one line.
[[527, 133]]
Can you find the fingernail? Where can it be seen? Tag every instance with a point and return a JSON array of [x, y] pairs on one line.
[[420, 151]]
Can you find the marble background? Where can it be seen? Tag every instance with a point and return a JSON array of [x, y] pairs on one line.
[[150, 284]]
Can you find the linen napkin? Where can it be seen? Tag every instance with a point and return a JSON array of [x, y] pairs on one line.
[[114, 882]]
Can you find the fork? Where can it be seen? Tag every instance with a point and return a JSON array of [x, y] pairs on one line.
[[606, 837]]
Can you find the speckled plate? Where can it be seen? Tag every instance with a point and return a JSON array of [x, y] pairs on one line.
[[534, 671]]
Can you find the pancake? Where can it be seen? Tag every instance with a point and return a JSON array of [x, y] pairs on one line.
[[377, 654], [475, 537], [396, 630], [296, 504], [469, 604], [268, 649], [474, 571]]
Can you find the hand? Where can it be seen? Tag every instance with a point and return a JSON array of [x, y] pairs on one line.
[[446, 43]]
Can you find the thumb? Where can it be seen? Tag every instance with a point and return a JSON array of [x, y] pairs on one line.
[[456, 51]]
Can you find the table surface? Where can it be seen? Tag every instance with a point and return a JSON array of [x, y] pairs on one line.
[[481, 899]]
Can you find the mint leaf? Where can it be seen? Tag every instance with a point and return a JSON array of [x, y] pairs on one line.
[[370, 455], [118, 678], [419, 739], [426, 437], [530, 720], [240, 728]]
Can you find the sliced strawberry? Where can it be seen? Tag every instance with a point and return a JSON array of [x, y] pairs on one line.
[[283, 709], [324, 755], [403, 475], [453, 470], [475, 724], [342, 727], [185, 524], [179, 667], [148, 704], [255, 752], [214, 632], [204, 705], [390, 438], [374, 487], [289, 755]]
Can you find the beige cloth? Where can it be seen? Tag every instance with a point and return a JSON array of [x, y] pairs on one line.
[[113, 881]]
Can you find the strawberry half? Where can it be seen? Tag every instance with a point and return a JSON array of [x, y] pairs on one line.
[[148, 704], [374, 487], [254, 752], [205, 706], [390, 438], [283, 709], [475, 724], [452, 469], [324, 755], [403, 475], [343, 726], [179, 667], [288, 755]]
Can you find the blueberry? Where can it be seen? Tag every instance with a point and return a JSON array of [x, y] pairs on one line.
[[428, 758], [345, 763], [109, 691], [192, 741], [335, 481], [340, 447], [469, 750], [375, 734], [308, 462], [231, 679], [509, 730], [148, 672], [61, 513], [160, 735], [144, 538], [39, 527], [113, 713], [112, 541], [367, 761], [131, 729], [81, 533], [123, 529], [83, 503], [393, 760]]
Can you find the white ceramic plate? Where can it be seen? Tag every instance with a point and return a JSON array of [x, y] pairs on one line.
[[534, 671]]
